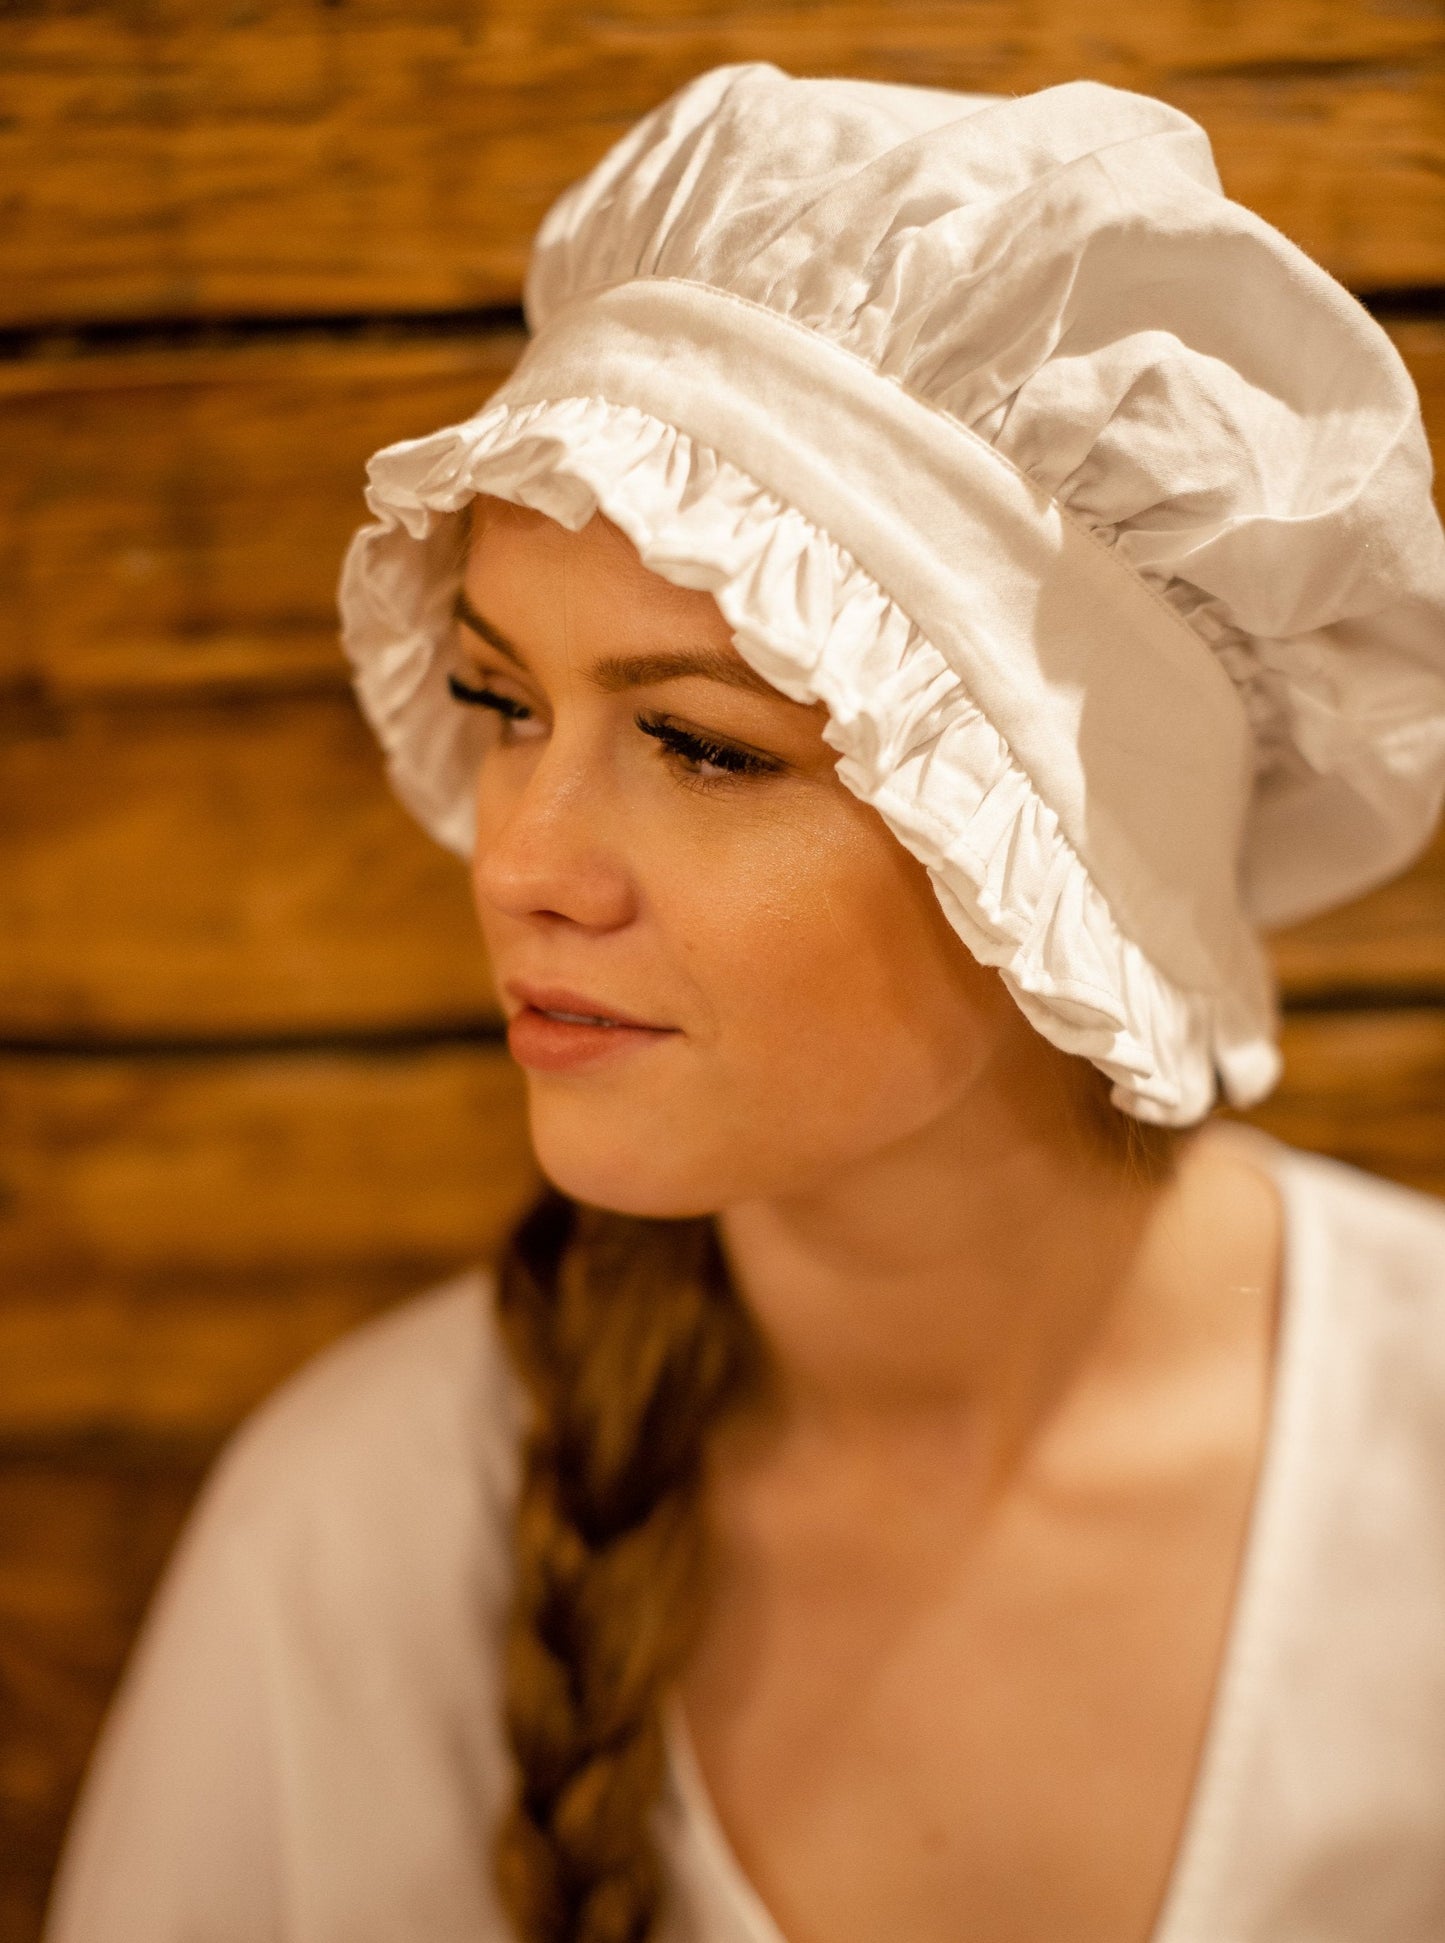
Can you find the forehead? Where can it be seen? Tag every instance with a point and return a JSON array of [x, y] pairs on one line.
[[538, 582]]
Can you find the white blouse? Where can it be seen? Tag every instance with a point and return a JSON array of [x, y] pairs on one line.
[[305, 1747]]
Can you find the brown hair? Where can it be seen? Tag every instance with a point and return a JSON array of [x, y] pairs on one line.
[[630, 1341]]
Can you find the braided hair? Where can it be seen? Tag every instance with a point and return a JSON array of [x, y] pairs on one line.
[[629, 1341]]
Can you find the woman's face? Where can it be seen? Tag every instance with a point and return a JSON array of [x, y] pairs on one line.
[[662, 839]]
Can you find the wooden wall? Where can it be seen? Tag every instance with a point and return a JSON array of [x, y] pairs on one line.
[[250, 1085]]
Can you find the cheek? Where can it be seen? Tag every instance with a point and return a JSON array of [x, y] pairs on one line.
[[843, 999], [829, 1008]]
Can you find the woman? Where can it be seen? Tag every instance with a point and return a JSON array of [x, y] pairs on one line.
[[941, 578]]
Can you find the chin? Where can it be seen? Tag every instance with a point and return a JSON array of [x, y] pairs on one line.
[[602, 1160]]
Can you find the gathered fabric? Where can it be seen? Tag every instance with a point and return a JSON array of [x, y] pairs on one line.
[[1096, 515]]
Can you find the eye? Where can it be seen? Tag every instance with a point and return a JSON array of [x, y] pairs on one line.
[[705, 758], [478, 695]]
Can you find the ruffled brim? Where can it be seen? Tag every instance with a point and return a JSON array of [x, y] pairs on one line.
[[804, 615]]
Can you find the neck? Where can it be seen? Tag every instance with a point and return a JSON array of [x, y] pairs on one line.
[[963, 1276]]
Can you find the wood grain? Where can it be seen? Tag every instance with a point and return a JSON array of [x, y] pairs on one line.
[[173, 1361], [175, 521], [1369, 1088], [271, 1163], [312, 159], [231, 867]]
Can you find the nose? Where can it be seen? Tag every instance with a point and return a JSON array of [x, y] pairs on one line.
[[545, 845]]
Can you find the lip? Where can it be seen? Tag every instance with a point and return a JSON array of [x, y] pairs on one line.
[[595, 1031]]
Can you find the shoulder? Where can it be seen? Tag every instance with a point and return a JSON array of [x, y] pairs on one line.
[[309, 1721], [1364, 1275], [1363, 1317], [1337, 1677], [1387, 1240], [388, 1459]]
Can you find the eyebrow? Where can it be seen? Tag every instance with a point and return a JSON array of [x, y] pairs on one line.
[[614, 672], [463, 611]]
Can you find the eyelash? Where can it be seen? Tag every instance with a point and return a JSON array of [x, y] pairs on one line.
[[686, 744], [487, 698], [689, 746]]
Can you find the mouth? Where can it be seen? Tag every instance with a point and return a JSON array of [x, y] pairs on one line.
[[555, 1031]]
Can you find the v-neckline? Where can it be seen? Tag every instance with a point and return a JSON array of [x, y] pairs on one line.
[[1183, 1908]]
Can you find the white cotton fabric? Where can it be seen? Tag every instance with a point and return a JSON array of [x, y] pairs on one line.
[[306, 1747], [1097, 515]]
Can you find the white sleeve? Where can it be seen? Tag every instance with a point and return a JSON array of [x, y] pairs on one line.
[[177, 1835], [306, 1746]]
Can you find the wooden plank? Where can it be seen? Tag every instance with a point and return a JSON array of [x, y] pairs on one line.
[[174, 1362], [1368, 1087], [264, 1164], [240, 867], [386, 157], [175, 521]]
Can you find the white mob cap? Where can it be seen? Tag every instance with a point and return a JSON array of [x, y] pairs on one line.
[[1095, 512]]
